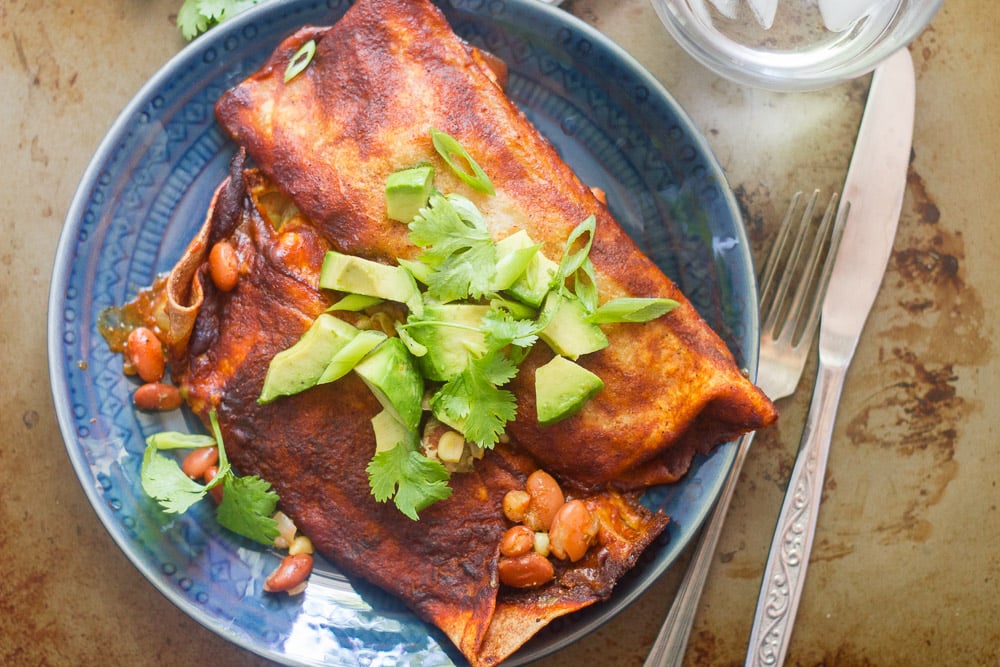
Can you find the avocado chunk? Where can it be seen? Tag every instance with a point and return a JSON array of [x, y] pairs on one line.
[[514, 255], [562, 387], [300, 366], [350, 354], [356, 275], [389, 432], [407, 191], [449, 347], [568, 332], [391, 374], [533, 284]]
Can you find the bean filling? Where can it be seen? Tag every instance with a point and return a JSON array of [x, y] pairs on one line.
[[545, 524]]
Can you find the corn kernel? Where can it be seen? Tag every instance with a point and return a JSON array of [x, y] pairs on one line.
[[450, 447], [541, 545]]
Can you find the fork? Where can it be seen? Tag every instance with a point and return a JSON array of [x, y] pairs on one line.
[[789, 327]]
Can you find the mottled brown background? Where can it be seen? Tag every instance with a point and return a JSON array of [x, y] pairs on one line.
[[906, 568]]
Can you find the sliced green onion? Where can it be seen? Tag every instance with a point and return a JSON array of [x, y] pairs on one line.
[[632, 309], [571, 260], [175, 440], [585, 285], [449, 149], [300, 60]]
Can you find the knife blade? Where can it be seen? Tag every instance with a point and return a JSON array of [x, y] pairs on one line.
[[872, 200]]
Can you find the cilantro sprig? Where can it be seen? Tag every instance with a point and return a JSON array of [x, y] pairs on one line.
[[408, 478], [457, 248], [475, 398], [197, 16], [248, 502]]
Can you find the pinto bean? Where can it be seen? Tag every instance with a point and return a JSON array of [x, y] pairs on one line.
[[224, 266], [516, 541], [157, 396], [525, 571], [515, 505], [145, 354], [546, 499], [210, 473], [573, 530], [291, 573], [197, 462]]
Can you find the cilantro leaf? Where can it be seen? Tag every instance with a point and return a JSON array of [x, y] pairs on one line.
[[190, 21], [503, 329], [196, 16], [246, 508], [163, 480], [247, 502], [457, 245], [474, 399], [408, 477]]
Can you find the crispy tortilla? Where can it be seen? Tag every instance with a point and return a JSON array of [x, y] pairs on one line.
[[314, 447]]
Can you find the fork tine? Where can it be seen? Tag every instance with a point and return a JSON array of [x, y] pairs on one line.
[[774, 257], [806, 327], [777, 249], [774, 308]]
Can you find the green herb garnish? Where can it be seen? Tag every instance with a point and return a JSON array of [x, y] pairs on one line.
[[409, 478], [466, 168], [300, 60], [247, 502], [629, 309], [457, 247], [197, 16]]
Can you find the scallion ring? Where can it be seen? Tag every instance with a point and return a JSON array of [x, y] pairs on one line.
[[300, 60], [449, 149]]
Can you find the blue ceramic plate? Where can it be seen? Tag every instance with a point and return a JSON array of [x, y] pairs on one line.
[[144, 196]]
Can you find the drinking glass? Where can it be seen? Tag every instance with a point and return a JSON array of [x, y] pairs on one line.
[[790, 45]]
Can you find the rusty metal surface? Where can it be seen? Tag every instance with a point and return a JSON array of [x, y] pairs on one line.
[[905, 570]]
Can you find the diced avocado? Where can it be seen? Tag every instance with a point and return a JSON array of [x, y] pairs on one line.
[[514, 255], [351, 354], [568, 332], [532, 286], [389, 431], [448, 347], [422, 272], [391, 374], [299, 367], [562, 387], [356, 275], [407, 191], [355, 302]]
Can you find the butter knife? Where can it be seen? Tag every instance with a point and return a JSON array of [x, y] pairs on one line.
[[873, 191]]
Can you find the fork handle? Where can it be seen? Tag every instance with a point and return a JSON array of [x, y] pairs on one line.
[[785, 573], [668, 649]]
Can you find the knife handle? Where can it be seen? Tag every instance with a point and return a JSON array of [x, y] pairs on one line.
[[785, 573]]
